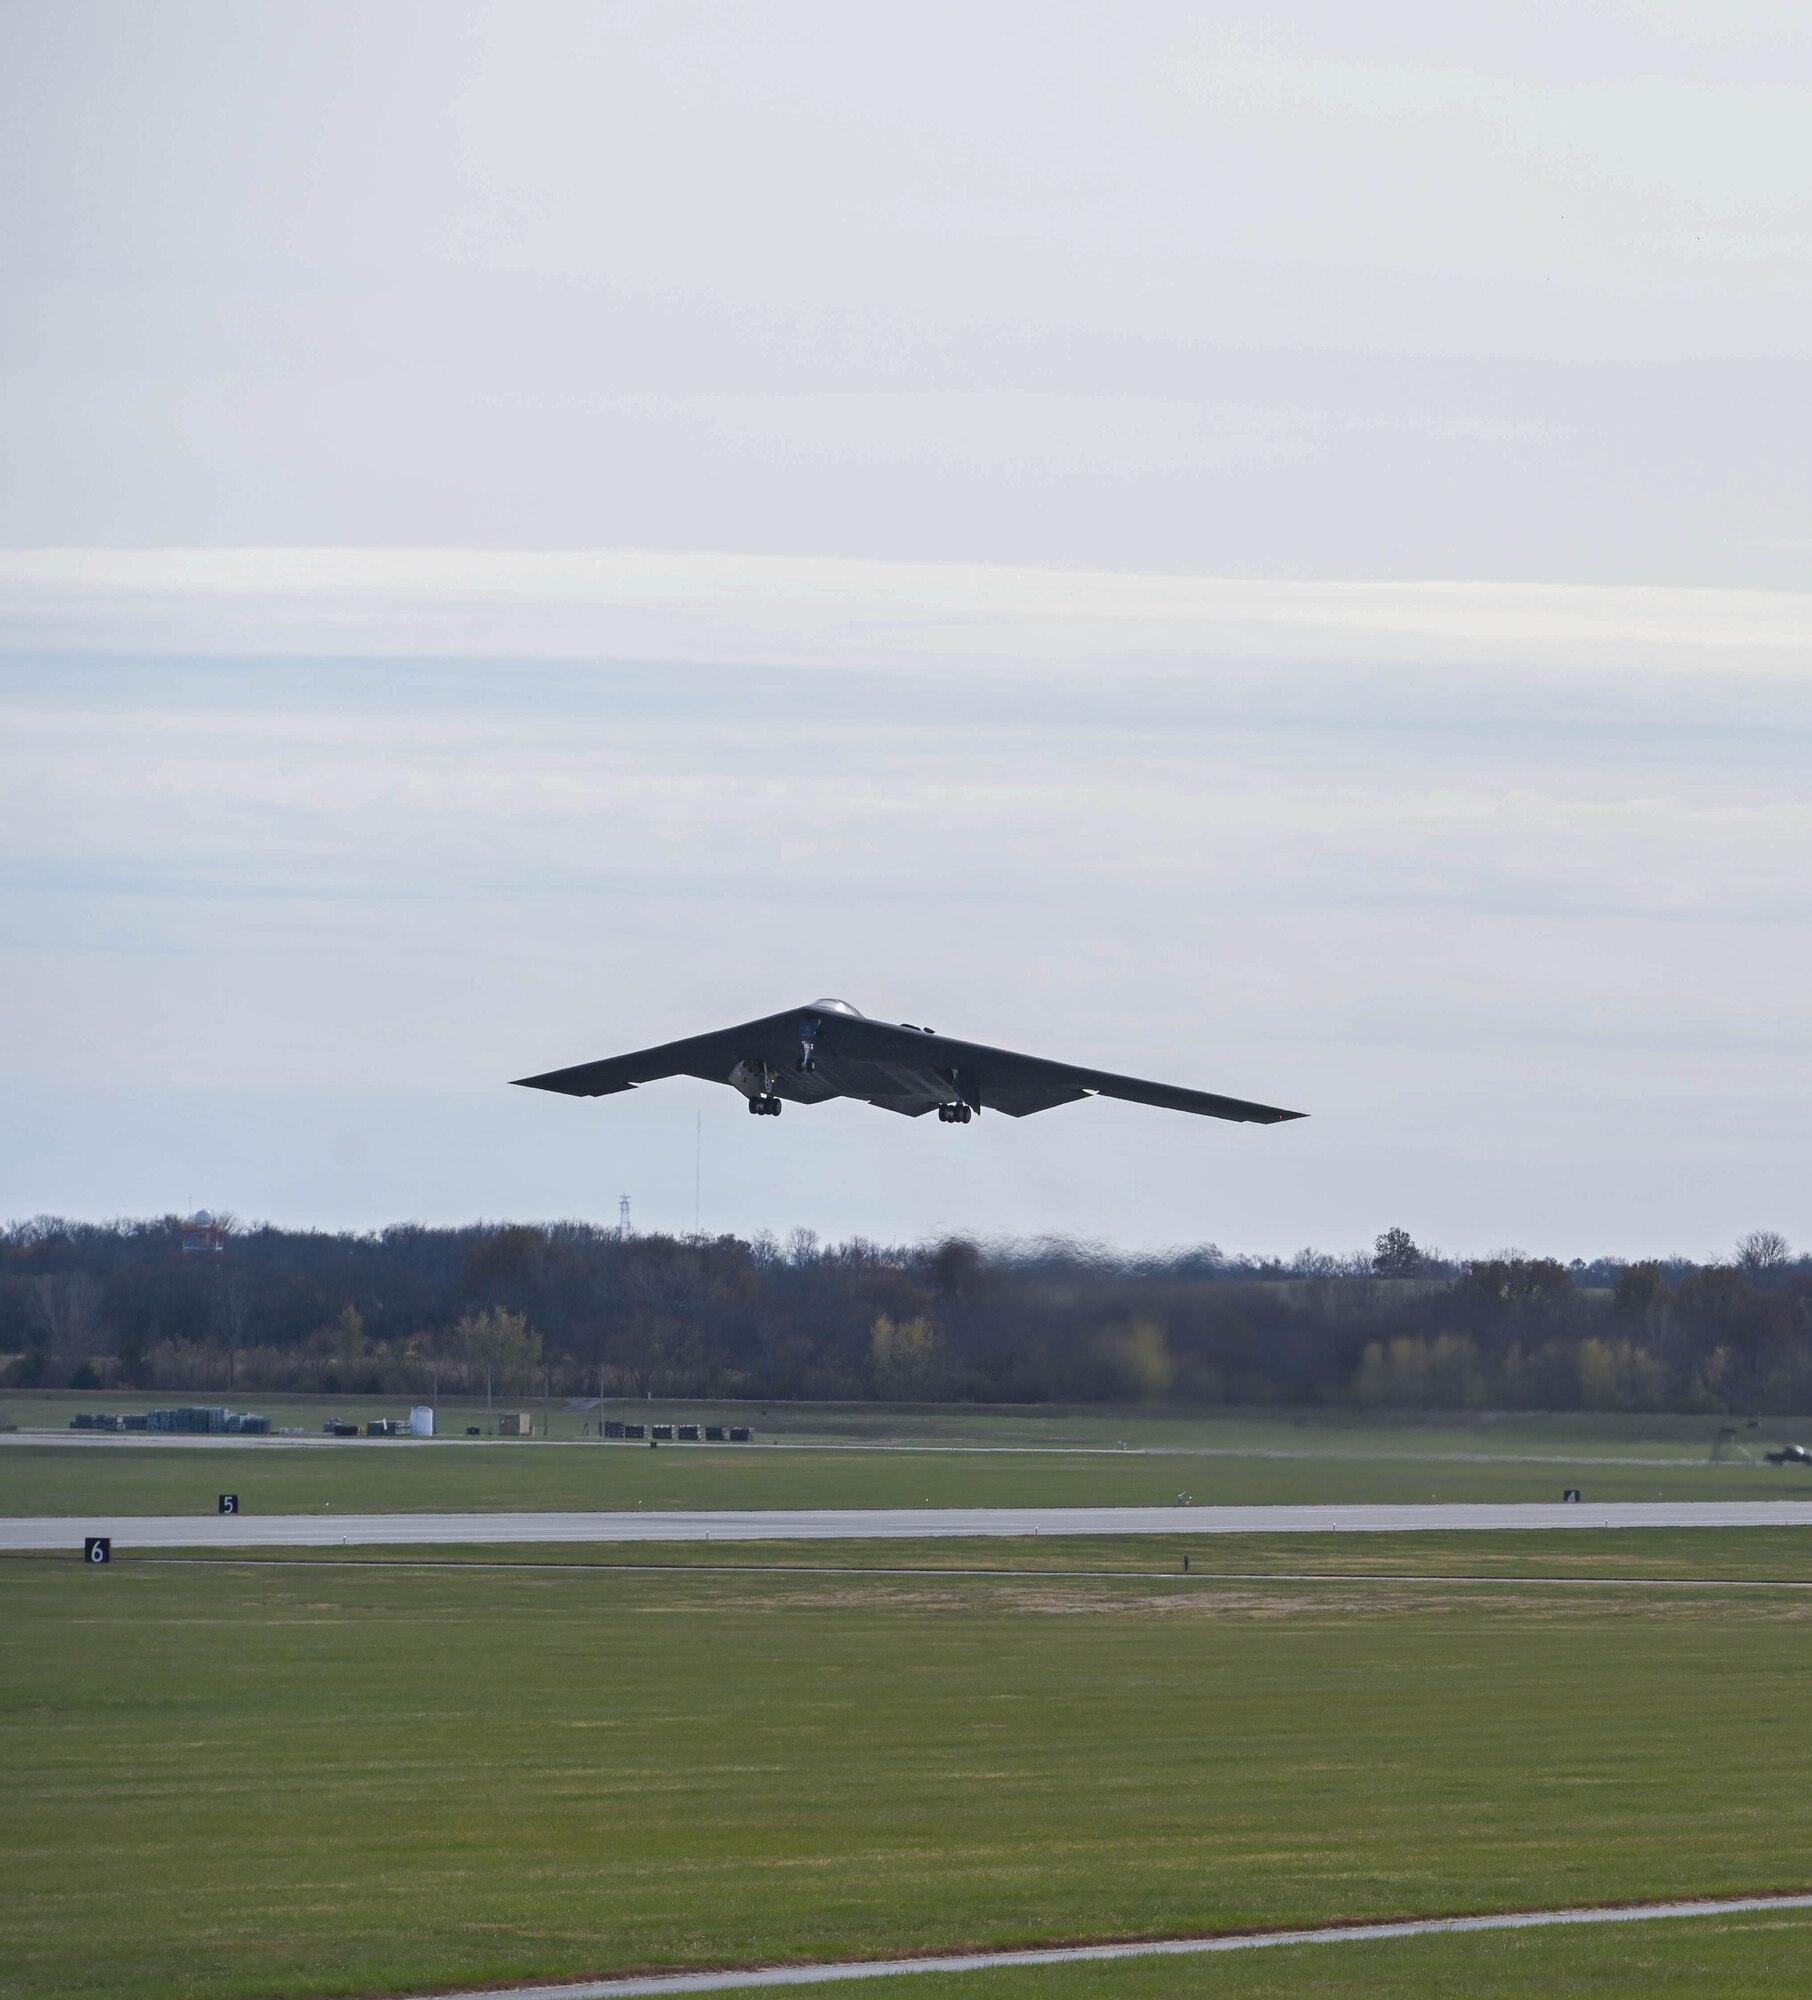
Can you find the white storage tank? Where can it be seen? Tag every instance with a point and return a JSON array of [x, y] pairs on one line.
[[421, 1421]]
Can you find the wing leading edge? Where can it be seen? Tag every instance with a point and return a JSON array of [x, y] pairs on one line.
[[812, 1053]]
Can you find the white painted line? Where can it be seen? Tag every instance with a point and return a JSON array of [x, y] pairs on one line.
[[979, 1961], [333, 1530]]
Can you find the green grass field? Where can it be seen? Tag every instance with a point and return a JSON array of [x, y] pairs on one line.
[[274, 1778], [877, 1455], [375, 1475], [1662, 1555], [873, 1455], [1722, 1958], [1574, 1435]]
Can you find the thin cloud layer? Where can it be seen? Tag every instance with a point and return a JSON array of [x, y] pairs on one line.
[[836, 612]]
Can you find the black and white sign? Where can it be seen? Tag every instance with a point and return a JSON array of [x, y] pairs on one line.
[[1572, 1493], [97, 1549], [229, 1503]]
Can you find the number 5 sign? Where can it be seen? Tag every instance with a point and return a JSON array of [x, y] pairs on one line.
[[229, 1503]]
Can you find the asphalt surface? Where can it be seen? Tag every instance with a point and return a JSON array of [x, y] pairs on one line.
[[331, 1530], [1585, 1461], [649, 1986]]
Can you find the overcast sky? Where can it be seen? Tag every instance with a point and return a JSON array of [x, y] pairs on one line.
[[1267, 549]]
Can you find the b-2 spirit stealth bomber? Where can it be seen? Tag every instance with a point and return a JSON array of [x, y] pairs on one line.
[[828, 1049]]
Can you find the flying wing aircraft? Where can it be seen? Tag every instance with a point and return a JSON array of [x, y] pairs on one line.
[[828, 1049]]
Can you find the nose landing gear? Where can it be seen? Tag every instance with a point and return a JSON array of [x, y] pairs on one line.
[[765, 1106], [954, 1114]]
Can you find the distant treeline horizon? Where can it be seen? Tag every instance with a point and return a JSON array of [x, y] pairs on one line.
[[573, 1308]]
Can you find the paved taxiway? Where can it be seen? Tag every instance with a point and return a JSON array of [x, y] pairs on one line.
[[330, 1530]]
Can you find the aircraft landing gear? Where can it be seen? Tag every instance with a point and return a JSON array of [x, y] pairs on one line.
[[954, 1114], [766, 1106]]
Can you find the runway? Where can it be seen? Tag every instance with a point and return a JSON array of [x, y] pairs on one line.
[[331, 1530]]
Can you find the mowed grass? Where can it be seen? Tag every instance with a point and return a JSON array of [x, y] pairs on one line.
[[383, 1476], [275, 1779], [1741, 1556], [1708, 1958], [1028, 1426], [878, 1455]]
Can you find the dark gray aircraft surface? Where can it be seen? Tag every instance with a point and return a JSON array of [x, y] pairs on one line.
[[828, 1049]]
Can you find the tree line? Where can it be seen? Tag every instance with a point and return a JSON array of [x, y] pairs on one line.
[[574, 1309]]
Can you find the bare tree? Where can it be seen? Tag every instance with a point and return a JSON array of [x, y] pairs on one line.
[[348, 1333], [423, 1352], [69, 1305], [235, 1314], [1762, 1252]]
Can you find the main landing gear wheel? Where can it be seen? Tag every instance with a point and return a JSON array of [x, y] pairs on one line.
[[954, 1114], [764, 1107]]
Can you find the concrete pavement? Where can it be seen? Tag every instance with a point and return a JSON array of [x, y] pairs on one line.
[[333, 1530]]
